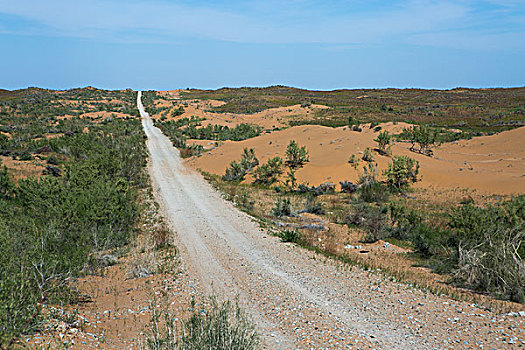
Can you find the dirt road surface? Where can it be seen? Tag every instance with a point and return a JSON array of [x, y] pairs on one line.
[[298, 299]]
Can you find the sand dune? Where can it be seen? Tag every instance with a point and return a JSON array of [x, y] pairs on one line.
[[489, 164]]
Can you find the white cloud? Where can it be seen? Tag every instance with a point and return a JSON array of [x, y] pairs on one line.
[[161, 20]]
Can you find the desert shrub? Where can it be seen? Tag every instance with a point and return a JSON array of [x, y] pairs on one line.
[[403, 221], [370, 189], [238, 170], [26, 155], [383, 141], [248, 159], [289, 236], [296, 156], [489, 247], [373, 192], [356, 128], [422, 135], [429, 241], [244, 201], [178, 111], [49, 227], [401, 172], [367, 155], [222, 133], [353, 161], [291, 180], [191, 151], [348, 186], [223, 326], [371, 219], [495, 264], [282, 207], [269, 173], [178, 139], [235, 172], [52, 160], [313, 206], [7, 188]]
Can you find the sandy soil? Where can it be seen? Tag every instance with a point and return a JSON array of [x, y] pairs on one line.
[[21, 169], [488, 164], [297, 298], [269, 119]]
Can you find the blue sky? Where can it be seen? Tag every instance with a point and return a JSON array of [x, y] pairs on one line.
[[167, 44]]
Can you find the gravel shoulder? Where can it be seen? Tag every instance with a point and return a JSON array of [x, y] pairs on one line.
[[299, 299]]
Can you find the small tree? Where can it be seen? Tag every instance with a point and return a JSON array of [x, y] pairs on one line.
[[238, 170], [296, 156], [383, 141], [423, 135], [269, 173], [401, 172], [249, 160], [291, 179]]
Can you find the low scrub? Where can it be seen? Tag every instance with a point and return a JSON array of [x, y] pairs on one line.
[[223, 327], [289, 236], [269, 173], [238, 170], [282, 207], [50, 227]]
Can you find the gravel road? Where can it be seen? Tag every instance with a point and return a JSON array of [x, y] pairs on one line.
[[298, 299]]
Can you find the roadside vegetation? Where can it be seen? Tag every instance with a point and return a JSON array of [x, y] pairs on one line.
[[181, 130], [168, 109], [51, 228], [218, 325], [477, 246]]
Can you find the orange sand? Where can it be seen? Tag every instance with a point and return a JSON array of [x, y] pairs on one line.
[[489, 164]]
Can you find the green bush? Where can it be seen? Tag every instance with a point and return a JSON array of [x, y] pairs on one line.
[[427, 240], [269, 173], [371, 219], [52, 160], [296, 156], [282, 207], [401, 172], [289, 236], [423, 135], [238, 170], [383, 141], [235, 172], [50, 226], [370, 189], [223, 326], [313, 206], [489, 247]]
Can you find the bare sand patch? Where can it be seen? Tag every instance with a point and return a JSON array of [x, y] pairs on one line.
[[489, 164]]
